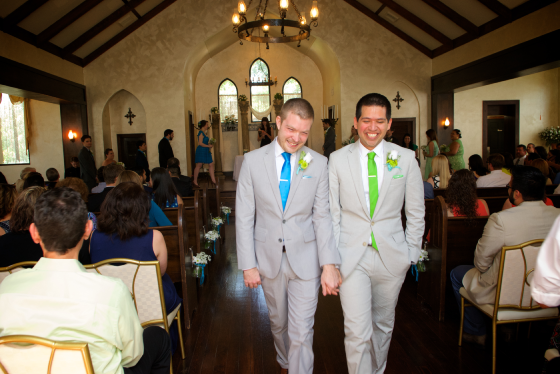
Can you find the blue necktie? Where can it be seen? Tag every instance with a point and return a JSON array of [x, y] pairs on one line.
[[285, 177]]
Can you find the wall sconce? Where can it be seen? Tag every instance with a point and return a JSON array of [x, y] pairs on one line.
[[72, 136], [446, 123]]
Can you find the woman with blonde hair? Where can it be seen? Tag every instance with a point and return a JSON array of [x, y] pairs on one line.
[[8, 197], [157, 217], [440, 175], [80, 187]]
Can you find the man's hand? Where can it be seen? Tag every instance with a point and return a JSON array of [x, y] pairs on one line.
[[252, 278], [330, 280]]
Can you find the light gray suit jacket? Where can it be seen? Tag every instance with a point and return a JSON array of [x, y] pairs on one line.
[[305, 224], [351, 219], [528, 221]]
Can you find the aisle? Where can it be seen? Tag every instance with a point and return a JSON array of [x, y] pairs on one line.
[[231, 334]]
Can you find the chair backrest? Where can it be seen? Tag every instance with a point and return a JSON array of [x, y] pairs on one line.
[[30, 354], [143, 279], [517, 267], [4, 272]]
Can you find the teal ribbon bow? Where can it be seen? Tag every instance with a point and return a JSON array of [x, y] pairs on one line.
[[392, 167], [202, 266], [413, 270]]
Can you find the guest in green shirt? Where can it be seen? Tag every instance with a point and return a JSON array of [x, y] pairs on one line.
[[456, 151]]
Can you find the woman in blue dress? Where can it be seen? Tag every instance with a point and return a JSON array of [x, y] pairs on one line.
[[203, 155]]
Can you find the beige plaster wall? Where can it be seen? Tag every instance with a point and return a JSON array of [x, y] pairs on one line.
[[234, 62], [24, 53], [159, 64], [539, 102], [529, 27], [45, 147]]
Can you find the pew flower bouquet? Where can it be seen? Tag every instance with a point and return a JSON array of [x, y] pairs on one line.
[[217, 222], [226, 210], [421, 261], [210, 237], [200, 261]]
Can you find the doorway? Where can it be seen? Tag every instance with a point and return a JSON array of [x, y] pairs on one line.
[[128, 149], [500, 127], [402, 126]]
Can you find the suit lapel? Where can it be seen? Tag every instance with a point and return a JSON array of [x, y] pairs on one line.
[[387, 176], [356, 170], [296, 178], [270, 166]]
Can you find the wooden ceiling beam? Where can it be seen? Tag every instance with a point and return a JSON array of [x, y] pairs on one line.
[[495, 6], [22, 12], [455, 17], [418, 22], [389, 26], [95, 30], [70, 17], [132, 9], [129, 30]]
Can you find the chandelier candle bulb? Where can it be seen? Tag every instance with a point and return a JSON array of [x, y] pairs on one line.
[[314, 11], [302, 19], [235, 19], [265, 28], [242, 8], [284, 4]]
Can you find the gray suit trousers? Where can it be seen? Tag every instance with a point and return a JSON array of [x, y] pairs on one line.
[[291, 303]]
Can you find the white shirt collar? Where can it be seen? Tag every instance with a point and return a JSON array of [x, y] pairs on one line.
[[378, 150], [279, 150]]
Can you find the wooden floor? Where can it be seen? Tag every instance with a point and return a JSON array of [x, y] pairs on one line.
[[231, 333]]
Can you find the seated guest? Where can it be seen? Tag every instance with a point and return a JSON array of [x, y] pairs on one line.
[[530, 148], [521, 154], [531, 157], [17, 245], [100, 180], [8, 197], [476, 166], [3, 178], [143, 180], [496, 178], [508, 162], [20, 181], [52, 177], [78, 185], [508, 204], [184, 188], [157, 217], [553, 159], [541, 151], [123, 233], [59, 300], [33, 179], [175, 161], [530, 220], [428, 190], [165, 193], [109, 157], [543, 167], [461, 196], [110, 174], [74, 170], [439, 177]]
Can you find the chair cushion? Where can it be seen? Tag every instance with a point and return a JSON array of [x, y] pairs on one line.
[[508, 314]]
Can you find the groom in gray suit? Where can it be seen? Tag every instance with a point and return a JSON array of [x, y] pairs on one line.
[[370, 181], [284, 233]]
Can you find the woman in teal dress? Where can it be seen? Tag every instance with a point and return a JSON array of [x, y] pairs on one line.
[[203, 155], [456, 151], [433, 151]]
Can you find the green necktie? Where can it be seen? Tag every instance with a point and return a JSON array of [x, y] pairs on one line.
[[373, 192]]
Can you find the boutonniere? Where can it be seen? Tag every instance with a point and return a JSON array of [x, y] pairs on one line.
[[304, 161], [393, 160]]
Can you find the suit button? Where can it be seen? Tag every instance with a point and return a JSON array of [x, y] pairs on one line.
[[283, 221], [279, 240], [365, 244]]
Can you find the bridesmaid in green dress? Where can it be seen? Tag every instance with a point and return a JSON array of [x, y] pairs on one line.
[[433, 151], [456, 151]]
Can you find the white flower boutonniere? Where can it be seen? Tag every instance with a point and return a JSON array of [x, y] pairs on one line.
[[393, 160], [304, 161]]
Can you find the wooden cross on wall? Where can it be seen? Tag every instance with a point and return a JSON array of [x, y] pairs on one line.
[[130, 116], [398, 99]]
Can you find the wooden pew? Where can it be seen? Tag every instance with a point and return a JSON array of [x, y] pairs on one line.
[[481, 192], [454, 242], [192, 216]]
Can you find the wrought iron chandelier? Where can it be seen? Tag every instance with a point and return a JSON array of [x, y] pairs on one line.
[[245, 30]]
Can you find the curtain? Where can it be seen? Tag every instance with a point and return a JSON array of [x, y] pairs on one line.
[[258, 114], [26, 116]]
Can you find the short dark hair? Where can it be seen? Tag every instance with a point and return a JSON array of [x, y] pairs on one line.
[[202, 123], [100, 175], [140, 143], [172, 161], [374, 99], [174, 170], [107, 151], [523, 146], [164, 189], [61, 217], [33, 179], [125, 212], [74, 159], [84, 137], [111, 173], [52, 175], [496, 160], [299, 107], [529, 181], [167, 132]]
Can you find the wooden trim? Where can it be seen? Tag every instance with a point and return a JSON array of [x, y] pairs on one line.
[[485, 105], [455, 17], [22, 12], [418, 22], [69, 18], [129, 30], [95, 30], [371, 14], [495, 6]]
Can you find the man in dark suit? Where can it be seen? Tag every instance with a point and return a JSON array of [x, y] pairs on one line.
[[173, 161], [164, 148], [110, 173], [329, 146], [184, 188], [88, 170], [141, 159], [142, 174]]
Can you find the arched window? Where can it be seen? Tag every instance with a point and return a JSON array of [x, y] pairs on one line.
[[13, 149], [227, 99], [260, 95], [291, 89]]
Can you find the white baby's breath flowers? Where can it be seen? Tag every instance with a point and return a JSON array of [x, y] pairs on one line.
[[212, 235], [201, 258]]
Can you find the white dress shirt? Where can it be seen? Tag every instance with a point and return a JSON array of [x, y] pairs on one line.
[[545, 286], [379, 162], [520, 160], [496, 178], [280, 160]]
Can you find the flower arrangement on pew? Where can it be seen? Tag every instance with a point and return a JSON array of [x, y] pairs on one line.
[[200, 261], [211, 236], [226, 210], [420, 266]]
